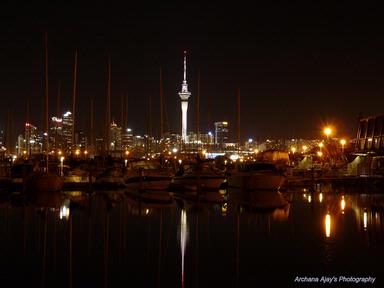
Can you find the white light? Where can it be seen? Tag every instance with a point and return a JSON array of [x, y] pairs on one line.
[[250, 140], [174, 150], [234, 157], [321, 197], [64, 209], [210, 133], [66, 114], [55, 119], [327, 225], [365, 219]]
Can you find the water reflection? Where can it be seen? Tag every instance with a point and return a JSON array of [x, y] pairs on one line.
[[183, 241], [327, 225], [65, 209], [365, 220], [120, 239], [342, 204]]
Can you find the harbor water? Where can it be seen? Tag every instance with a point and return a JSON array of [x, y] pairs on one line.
[[218, 239]]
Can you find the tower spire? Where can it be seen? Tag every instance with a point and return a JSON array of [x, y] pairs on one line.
[[184, 95], [184, 85], [185, 67]]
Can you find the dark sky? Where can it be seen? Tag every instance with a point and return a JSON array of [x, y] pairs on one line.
[[298, 66]]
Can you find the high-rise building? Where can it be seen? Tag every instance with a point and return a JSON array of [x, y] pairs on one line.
[[184, 95], [127, 138], [81, 141], [2, 137], [221, 134], [21, 145], [31, 139], [67, 132], [56, 134], [115, 137]]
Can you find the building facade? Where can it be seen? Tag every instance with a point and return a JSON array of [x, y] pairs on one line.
[[370, 135], [67, 131], [221, 134]]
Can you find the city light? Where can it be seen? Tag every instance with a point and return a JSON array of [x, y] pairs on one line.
[[319, 153], [342, 142], [77, 152], [293, 149], [327, 131], [342, 204], [305, 148]]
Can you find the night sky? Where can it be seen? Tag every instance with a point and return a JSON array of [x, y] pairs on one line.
[[298, 66]]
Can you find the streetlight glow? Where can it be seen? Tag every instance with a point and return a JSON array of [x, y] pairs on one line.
[[342, 142], [327, 131]]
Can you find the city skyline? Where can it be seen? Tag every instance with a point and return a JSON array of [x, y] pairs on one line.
[[296, 71]]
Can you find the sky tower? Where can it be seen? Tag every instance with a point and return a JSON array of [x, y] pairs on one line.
[[184, 95]]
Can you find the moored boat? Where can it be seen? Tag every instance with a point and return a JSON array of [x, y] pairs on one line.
[[256, 176], [198, 176], [148, 175], [43, 182]]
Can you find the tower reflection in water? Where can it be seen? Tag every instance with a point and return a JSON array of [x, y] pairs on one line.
[[183, 241], [327, 225]]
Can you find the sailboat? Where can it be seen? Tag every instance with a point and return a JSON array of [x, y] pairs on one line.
[[44, 181]]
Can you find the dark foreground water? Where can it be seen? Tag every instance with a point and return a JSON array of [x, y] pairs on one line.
[[111, 239]]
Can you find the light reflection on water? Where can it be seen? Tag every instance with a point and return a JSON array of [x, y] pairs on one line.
[[130, 238], [328, 225]]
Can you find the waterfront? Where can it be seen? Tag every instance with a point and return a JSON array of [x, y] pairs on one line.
[[111, 239]]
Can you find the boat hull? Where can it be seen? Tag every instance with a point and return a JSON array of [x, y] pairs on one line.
[[148, 183], [193, 182], [256, 181], [41, 182]]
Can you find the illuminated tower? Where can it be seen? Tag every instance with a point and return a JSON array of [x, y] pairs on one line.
[[184, 95]]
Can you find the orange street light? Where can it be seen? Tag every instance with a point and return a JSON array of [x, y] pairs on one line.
[[327, 131], [342, 142]]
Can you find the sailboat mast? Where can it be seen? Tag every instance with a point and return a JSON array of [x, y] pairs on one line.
[[108, 104], [198, 108], [126, 111], [161, 104], [46, 102], [92, 129], [74, 101], [238, 119], [58, 99], [122, 111]]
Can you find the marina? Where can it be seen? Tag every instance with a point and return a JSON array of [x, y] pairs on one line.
[[188, 145]]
